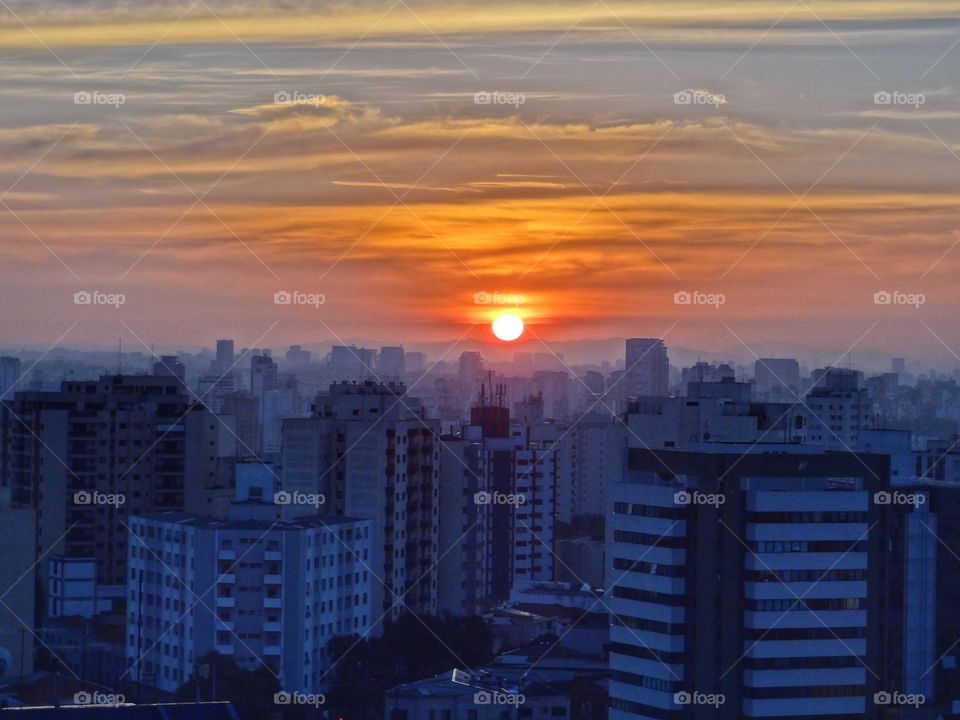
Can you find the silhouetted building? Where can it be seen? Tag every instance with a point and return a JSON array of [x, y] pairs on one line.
[[646, 368], [777, 379], [391, 364], [9, 376], [94, 453]]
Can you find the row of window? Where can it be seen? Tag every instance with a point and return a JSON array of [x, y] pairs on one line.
[[804, 604], [795, 546], [649, 568]]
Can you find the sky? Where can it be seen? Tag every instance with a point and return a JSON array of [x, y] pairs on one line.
[[735, 175]]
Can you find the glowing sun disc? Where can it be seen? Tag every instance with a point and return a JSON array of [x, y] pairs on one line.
[[508, 327]]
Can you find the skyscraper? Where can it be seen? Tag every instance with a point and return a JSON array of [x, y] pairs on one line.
[[94, 453], [391, 364], [368, 449], [776, 379], [225, 357], [762, 578], [646, 369]]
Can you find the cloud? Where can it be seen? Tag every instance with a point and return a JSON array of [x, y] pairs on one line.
[[62, 24]]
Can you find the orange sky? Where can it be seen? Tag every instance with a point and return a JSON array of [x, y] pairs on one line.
[[786, 186]]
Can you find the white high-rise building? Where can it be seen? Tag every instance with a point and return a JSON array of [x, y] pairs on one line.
[[839, 409], [371, 452], [257, 590]]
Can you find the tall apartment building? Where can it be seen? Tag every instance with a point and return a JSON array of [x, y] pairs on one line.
[[350, 363], [391, 364], [297, 356], [257, 590], [646, 368], [263, 374], [89, 456], [751, 584], [499, 495], [712, 412], [18, 574], [370, 451], [535, 458], [225, 357], [9, 376], [170, 365], [839, 409], [460, 537], [556, 391], [470, 378], [593, 452], [777, 379], [276, 404]]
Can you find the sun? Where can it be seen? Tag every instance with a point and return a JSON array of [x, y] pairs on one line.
[[508, 327]]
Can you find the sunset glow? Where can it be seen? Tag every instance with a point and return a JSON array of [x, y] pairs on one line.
[[507, 327], [399, 161]]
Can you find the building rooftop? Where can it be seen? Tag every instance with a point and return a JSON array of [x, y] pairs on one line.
[[202, 521], [444, 686], [172, 711]]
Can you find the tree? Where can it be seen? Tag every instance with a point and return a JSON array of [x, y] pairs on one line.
[[411, 648], [220, 678]]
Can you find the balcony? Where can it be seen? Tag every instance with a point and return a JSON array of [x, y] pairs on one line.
[[273, 602], [271, 649], [272, 555], [227, 578], [227, 555], [272, 627], [273, 580], [224, 649], [226, 602]]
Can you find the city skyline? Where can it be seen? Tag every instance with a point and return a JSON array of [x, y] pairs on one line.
[[479, 360]]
